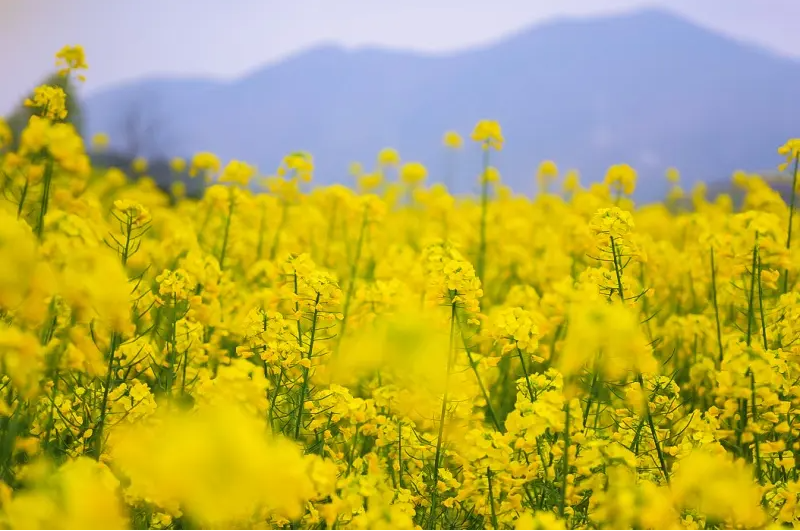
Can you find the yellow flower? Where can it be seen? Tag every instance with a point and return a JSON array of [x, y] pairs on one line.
[[6, 135], [716, 486], [490, 175], [355, 169], [82, 494], [675, 193], [547, 172], [100, 141], [388, 157], [547, 169], [133, 212], [621, 178], [217, 464], [178, 189], [205, 163], [237, 172], [413, 173], [71, 59], [368, 182], [175, 285], [452, 140], [791, 151], [139, 165], [298, 164], [571, 181], [612, 221], [23, 359], [50, 101], [608, 335], [673, 175], [488, 134], [61, 141], [177, 165]]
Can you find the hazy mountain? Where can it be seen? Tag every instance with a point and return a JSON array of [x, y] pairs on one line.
[[648, 88]]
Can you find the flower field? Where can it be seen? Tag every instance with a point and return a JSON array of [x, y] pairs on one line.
[[388, 356]]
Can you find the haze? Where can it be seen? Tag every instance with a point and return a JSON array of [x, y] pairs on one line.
[[127, 40]]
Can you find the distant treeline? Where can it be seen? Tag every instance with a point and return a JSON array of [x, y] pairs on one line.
[[159, 170]]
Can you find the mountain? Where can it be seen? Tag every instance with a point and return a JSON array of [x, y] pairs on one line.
[[647, 88]]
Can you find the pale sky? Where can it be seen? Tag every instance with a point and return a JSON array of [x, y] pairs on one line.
[[129, 39]]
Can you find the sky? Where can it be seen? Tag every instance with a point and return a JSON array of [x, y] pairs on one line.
[[130, 39]]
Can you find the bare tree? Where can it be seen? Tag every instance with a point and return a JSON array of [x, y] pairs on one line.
[[142, 129]]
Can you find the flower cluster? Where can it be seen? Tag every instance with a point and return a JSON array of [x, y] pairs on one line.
[[272, 355]]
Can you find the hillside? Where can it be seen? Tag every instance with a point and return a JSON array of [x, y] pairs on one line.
[[647, 88]]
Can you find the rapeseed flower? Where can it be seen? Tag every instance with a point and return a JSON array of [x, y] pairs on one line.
[[452, 140], [489, 134], [621, 178], [388, 157], [71, 59], [205, 163], [413, 173], [51, 102], [289, 356]]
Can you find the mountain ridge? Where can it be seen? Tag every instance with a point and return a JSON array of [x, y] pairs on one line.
[[624, 104]]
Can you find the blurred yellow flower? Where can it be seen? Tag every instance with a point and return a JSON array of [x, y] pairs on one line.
[[71, 59], [237, 172], [205, 163], [177, 164], [139, 165], [488, 134], [6, 136], [452, 140], [413, 173], [621, 178], [100, 141], [388, 157]]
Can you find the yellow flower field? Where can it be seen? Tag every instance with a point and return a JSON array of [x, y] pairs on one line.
[[279, 355]]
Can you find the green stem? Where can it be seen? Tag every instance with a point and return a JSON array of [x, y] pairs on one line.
[[751, 297], [22, 198], [661, 461], [761, 303], [183, 375], [304, 388], [127, 248], [474, 366], [617, 269], [352, 456], [98, 435], [48, 178], [716, 306], [525, 372], [275, 399], [173, 339], [227, 232], [589, 401], [565, 463], [754, 412], [491, 498], [648, 413]]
